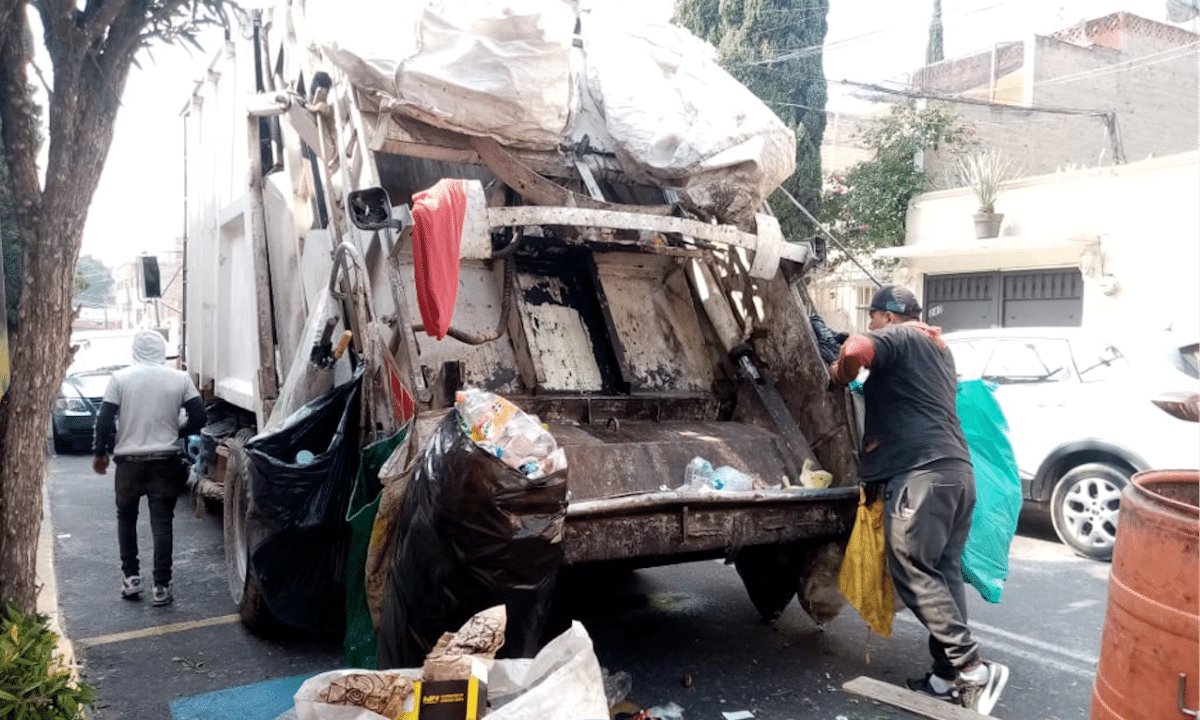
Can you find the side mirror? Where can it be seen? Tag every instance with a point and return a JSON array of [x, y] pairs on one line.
[[151, 281], [371, 209]]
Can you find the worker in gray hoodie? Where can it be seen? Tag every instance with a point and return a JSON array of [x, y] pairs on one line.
[[138, 424]]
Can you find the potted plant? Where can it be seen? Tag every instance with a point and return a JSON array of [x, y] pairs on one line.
[[983, 173]]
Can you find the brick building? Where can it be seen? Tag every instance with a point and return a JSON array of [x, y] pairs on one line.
[[1119, 88], [1116, 90]]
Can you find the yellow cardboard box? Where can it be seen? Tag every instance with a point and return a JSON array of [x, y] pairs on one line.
[[448, 700]]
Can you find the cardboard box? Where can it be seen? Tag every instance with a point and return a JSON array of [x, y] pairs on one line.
[[450, 699]]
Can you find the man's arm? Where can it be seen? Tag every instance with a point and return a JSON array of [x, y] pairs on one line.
[[196, 417], [857, 353], [104, 436]]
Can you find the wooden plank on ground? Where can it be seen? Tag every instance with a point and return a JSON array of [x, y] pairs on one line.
[[905, 699]]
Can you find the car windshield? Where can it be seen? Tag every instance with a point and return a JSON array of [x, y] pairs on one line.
[[90, 385], [968, 356], [1020, 361], [102, 351], [1097, 360]]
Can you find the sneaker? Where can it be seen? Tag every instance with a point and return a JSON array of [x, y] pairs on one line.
[[162, 595], [983, 696], [924, 686], [131, 587]]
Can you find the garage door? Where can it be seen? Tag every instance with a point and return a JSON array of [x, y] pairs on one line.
[[1051, 298]]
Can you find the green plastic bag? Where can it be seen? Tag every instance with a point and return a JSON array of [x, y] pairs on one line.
[[358, 646], [997, 489]]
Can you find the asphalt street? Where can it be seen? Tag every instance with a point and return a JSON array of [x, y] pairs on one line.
[[685, 634]]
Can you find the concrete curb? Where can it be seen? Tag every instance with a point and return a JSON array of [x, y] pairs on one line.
[[47, 593]]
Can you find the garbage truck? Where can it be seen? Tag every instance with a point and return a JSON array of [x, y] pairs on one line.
[[606, 261]]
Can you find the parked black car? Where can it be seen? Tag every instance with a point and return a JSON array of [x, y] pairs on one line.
[[74, 412]]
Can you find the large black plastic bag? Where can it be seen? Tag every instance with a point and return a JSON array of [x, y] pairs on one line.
[[473, 533], [299, 538]]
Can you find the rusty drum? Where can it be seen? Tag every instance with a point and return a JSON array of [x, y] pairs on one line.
[[1149, 663]]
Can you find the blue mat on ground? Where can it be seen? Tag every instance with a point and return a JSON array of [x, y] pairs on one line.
[[265, 700]]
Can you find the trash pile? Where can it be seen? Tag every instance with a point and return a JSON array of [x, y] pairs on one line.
[[481, 523], [502, 429], [700, 476], [460, 678]]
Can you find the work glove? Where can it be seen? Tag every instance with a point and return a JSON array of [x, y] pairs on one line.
[[100, 464]]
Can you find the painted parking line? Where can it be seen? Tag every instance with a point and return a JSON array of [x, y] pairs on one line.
[[158, 630], [1038, 651]]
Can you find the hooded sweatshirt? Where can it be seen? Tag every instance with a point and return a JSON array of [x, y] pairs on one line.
[[145, 399]]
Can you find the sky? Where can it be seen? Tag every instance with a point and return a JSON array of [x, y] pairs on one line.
[[138, 206]]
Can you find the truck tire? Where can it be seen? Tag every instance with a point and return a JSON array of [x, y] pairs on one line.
[[244, 585], [769, 573], [1084, 508]]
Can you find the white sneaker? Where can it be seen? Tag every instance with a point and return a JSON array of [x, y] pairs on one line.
[[982, 697], [131, 587], [162, 595]]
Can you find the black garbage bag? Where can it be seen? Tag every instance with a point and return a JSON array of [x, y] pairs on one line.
[[302, 473], [473, 533], [829, 343]]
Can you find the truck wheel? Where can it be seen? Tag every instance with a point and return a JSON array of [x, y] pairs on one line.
[[769, 573], [1085, 506], [244, 585]]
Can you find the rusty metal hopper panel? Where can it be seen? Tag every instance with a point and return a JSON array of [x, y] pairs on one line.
[[624, 457], [625, 506]]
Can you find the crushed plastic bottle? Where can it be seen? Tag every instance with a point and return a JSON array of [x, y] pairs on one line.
[[727, 478]]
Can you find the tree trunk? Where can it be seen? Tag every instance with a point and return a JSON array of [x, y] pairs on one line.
[[81, 113], [39, 359]]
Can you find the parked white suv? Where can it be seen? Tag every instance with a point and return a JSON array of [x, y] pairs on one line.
[[1084, 415]]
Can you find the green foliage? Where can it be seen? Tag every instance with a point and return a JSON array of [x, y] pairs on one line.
[[93, 282], [773, 47], [33, 685], [867, 206], [984, 172]]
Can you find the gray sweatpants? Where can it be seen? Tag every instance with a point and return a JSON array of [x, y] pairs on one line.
[[927, 516]]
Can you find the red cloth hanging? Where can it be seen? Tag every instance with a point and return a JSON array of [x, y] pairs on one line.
[[437, 234]]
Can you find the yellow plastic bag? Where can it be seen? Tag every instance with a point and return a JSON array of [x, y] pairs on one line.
[[864, 578]]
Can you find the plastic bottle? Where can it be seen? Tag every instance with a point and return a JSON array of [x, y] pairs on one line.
[[699, 474], [727, 478]]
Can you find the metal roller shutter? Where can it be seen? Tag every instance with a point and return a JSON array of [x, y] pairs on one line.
[[1005, 299]]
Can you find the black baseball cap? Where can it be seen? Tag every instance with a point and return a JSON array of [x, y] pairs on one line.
[[896, 299]]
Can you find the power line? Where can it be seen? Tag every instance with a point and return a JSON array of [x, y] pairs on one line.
[[829, 234], [1109, 117], [809, 50], [1139, 62], [933, 95]]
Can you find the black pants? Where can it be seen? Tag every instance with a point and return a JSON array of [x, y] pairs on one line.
[[160, 481], [927, 516]]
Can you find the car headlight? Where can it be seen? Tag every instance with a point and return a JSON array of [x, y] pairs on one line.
[[72, 405]]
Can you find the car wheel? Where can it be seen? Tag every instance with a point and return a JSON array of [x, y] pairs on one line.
[[1085, 506], [63, 444]]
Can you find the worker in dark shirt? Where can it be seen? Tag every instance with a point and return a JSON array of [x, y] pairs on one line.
[[138, 424], [914, 451]]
